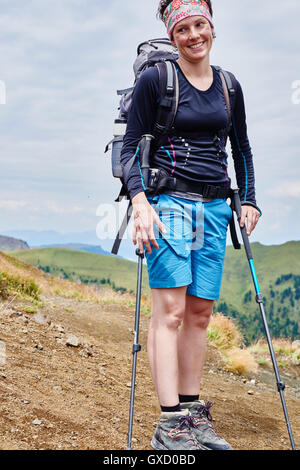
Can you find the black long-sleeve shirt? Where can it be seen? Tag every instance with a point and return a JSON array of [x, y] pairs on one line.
[[190, 156]]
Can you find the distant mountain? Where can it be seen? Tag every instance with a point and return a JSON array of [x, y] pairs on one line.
[[50, 237], [9, 244], [36, 239]]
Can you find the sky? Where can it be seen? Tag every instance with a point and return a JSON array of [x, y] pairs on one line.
[[61, 64]]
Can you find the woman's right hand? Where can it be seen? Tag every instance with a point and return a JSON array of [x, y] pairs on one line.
[[144, 218]]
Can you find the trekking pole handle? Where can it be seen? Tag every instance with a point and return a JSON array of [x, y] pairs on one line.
[[238, 210], [145, 148]]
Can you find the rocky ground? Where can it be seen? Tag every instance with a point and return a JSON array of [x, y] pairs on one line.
[[65, 384]]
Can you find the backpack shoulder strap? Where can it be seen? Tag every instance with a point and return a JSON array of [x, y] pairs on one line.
[[229, 91], [226, 95], [230, 87], [168, 97]]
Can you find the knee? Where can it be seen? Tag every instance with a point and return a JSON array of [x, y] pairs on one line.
[[174, 318], [202, 321], [198, 318], [171, 316]]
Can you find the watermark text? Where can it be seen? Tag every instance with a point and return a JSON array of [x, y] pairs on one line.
[[296, 92], [2, 92], [183, 225]]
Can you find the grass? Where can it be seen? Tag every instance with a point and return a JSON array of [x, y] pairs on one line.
[[27, 308], [126, 299], [224, 334], [240, 361], [26, 282], [261, 361], [14, 284], [287, 352], [283, 364]]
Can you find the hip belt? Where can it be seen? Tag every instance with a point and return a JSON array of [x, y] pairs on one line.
[[160, 182]]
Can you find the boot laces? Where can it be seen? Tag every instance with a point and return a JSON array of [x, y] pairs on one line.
[[204, 410], [186, 422]]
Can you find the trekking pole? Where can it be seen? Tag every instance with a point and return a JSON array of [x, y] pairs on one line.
[[259, 300], [136, 347]]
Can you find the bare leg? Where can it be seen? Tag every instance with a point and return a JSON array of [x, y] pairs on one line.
[[192, 344], [168, 307]]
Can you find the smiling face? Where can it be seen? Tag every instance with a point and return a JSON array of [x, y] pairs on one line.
[[193, 38]]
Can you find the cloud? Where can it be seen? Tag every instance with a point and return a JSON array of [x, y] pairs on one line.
[[286, 189], [44, 207], [62, 62], [12, 205], [52, 24]]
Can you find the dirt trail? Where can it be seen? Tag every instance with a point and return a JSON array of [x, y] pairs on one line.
[[78, 397]]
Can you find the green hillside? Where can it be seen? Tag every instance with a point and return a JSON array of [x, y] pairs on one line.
[[87, 267], [278, 271], [277, 267]]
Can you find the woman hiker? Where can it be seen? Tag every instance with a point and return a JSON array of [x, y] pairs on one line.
[[183, 233]]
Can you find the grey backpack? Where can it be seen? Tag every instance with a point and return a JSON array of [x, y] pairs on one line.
[[159, 53]]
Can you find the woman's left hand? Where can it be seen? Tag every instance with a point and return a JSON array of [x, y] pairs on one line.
[[252, 216]]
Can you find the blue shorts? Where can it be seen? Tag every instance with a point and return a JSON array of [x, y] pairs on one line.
[[192, 251]]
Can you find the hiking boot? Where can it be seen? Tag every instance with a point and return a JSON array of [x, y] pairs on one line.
[[175, 432], [203, 430]]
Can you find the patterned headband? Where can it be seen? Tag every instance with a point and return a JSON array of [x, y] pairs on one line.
[[178, 10]]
